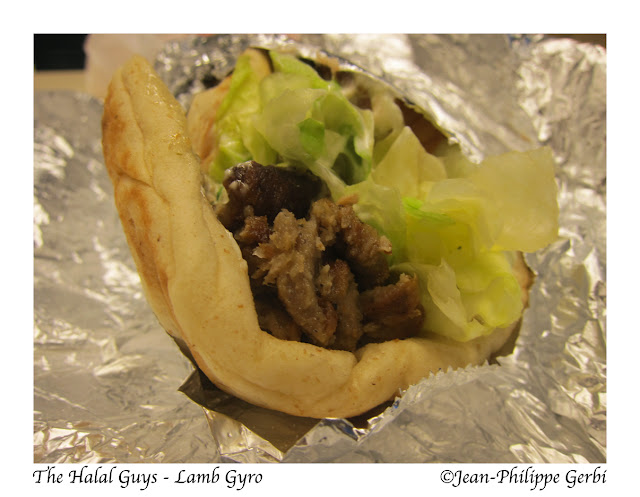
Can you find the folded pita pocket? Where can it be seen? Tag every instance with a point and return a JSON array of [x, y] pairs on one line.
[[197, 283]]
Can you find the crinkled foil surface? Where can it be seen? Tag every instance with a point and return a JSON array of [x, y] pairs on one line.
[[111, 386]]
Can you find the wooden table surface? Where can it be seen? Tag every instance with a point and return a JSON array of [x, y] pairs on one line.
[[59, 80]]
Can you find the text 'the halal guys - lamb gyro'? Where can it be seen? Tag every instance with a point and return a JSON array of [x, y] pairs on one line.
[[311, 241]]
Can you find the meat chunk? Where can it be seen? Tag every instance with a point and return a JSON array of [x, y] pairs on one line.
[[360, 243], [259, 190], [255, 230], [393, 311], [290, 261], [336, 282], [273, 318]]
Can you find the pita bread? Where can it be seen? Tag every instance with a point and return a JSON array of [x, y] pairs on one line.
[[198, 286]]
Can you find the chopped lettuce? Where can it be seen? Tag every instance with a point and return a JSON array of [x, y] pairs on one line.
[[523, 191], [493, 298], [238, 140], [452, 223], [382, 207], [293, 117], [290, 65], [417, 165]]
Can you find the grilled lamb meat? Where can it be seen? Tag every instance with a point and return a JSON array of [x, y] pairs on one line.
[[265, 191], [318, 273]]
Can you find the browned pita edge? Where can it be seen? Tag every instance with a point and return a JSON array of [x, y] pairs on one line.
[[197, 283]]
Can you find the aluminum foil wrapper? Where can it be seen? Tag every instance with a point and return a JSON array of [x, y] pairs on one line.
[[105, 378], [110, 386]]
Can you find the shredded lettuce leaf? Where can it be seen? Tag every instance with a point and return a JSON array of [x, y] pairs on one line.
[[452, 223], [417, 165], [234, 121], [471, 300]]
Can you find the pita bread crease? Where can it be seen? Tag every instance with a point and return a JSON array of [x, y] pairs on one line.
[[197, 283]]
